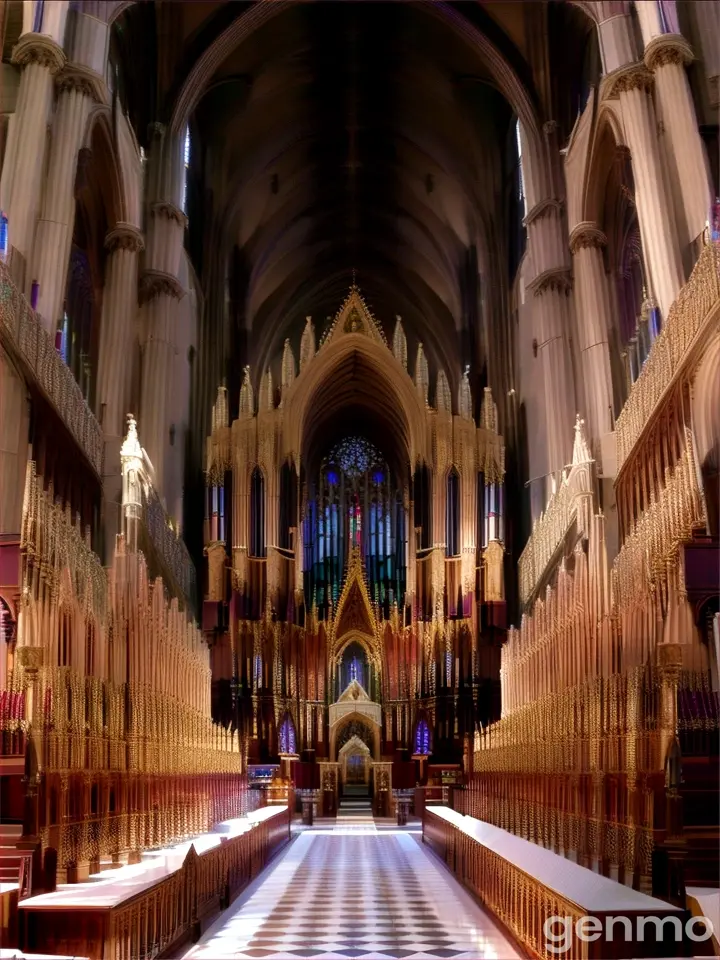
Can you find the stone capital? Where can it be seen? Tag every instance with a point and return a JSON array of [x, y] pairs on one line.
[[40, 49], [168, 211], [30, 658], [558, 278], [75, 76], [668, 48], [669, 659], [124, 236], [586, 235], [636, 76], [155, 283], [543, 209]]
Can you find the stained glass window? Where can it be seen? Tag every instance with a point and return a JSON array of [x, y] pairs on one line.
[[354, 456], [186, 166], [287, 736], [422, 739]]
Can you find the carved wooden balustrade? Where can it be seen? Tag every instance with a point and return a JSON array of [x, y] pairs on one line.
[[115, 680], [25, 338], [165, 914], [696, 306]]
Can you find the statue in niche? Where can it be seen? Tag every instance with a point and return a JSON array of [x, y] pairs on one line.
[[354, 323]]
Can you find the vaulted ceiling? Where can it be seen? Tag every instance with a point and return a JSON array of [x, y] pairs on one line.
[[348, 136]]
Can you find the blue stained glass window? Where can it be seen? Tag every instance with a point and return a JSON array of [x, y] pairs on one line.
[[287, 735], [332, 477], [378, 476], [422, 739], [355, 455]]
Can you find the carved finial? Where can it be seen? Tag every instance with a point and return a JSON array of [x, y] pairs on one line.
[[581, 451], [400, 343], [443, 401], [131, 444], [307, 344], [465, 396], [422, 374], [247, 399]]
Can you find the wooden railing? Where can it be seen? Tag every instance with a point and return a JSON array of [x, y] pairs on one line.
[[525, 886], [156, 921], [24, 336], [169, 552], [695, 303]]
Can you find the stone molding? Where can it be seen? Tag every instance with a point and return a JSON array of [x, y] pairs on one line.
[[124, 236], [635, 76], [75, 76], [543, 209], [668, 48], [557, 278], [156, 283], [168, 210], [586, 235], [40, 49]]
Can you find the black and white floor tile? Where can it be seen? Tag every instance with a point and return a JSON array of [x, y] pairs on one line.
[[334, 896]]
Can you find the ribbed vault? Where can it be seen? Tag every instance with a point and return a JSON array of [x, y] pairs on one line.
[[355, 399]]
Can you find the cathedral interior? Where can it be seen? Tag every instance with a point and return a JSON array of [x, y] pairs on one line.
[[359, 492]]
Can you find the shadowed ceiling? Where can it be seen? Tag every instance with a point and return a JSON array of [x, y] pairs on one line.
[[348, 136]]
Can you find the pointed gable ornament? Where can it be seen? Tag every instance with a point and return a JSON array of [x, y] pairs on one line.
[[307, 344], [465, 396], [400, 343], [443, 401], [247, 397], [288, 367], [422, 374], [354, 317], [266, 392]]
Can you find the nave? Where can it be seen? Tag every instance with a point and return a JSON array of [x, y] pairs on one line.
[[337, 893]]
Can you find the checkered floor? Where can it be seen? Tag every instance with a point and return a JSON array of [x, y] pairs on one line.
[[333, 896]]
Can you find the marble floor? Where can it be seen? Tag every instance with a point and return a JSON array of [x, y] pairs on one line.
[[334, 895]]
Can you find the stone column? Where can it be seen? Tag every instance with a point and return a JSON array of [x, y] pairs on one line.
[[160, 291], [551, 288], [654, 205], [14, 417], [666, 57], [41, 59], [117, 330], [615, 35], [593, 323], [79, 88]]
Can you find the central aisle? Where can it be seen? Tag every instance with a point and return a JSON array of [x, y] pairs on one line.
[[333, 895]]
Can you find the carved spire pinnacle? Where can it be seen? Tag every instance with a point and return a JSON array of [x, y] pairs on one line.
[[247, 398], [443, 402], [307, 343], [488, 411], [422, 373], [465, 396], [581, 451], [400, 343], [220, 412], [131, 444]]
